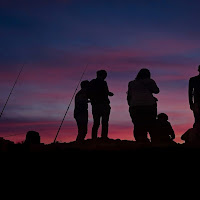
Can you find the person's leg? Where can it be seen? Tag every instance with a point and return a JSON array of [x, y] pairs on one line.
[[79, 136], [196, 112], [132, 114], [140, 133], [96, 121], [150, 113], [137, 114], [82, 125], [105, 120]]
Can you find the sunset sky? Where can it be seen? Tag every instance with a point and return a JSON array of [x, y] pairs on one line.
[[56, 39]]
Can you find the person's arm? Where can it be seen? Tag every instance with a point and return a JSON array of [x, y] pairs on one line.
[[153, 87], [186, 135], [190, 94], [172, 134], [107, 90], [110, 94], [128, 95]]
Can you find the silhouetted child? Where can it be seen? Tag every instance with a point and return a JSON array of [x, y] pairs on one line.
[[163, 131], [81, 111]]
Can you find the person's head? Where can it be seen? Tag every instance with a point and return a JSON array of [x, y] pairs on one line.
[[32, 137], [143, 74], [162, 117], [101, 74], [84, 84], [199, 68]]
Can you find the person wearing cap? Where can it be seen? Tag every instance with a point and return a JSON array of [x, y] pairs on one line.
[[194, 97]]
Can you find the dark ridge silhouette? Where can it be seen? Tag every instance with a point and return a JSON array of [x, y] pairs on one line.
[[101, 145]]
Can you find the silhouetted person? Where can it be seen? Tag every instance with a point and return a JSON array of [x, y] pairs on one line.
[[98, 93], [194, 97], [142, 104], [192, 136], [163, 131], [32, 137], [81, 111]]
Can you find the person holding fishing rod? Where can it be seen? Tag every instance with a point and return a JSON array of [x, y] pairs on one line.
[[98, 93]]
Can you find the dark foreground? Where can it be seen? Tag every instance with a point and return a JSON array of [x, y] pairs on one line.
[[103, 146]]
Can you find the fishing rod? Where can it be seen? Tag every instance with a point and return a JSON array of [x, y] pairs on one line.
[[70, 103], [11, 91]]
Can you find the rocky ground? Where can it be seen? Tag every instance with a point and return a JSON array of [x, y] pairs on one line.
[[99, 145]]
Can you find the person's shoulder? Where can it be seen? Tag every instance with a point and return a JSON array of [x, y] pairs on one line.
[[168, 123], [192, 78], [131, 82], [195, 78], [148, 81], [151, 80], [78, 94], [92, 81], [81, 91]]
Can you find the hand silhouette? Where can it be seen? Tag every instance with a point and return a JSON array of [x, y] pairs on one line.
[[110, 94], [192, 106]]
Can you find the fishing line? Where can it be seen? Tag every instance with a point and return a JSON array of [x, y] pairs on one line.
[[11, 91], [70, 103]]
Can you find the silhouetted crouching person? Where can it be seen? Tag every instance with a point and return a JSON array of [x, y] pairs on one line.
[[98, 94], [142, 104], [81, 111], [32, 137], [192, 136], [163, 131], [194, 97]]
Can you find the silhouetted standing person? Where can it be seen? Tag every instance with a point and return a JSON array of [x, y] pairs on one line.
[[98, 94], [142, 104], [81, 111], [194, 97]]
